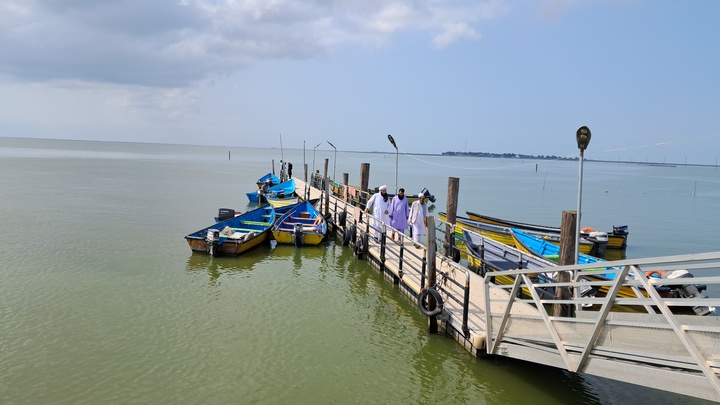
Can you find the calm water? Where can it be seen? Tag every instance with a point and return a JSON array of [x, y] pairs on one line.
[[101, 300]]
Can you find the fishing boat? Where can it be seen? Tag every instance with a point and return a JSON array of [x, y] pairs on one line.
[[287, 188], [684, 289], [617, 239], [301, 225], [235, 235], [274, 180], [595, 246], [280, 200]]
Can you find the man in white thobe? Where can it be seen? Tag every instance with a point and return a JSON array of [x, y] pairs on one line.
[[380, 203], [418, 219]]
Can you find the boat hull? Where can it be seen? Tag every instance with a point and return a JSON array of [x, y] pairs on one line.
[[301, 225], [616, 240], [235, 235]]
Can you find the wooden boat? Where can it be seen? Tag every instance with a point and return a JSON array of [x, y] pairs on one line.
[[280, 200], [301, 225], [617, 239], [235, 235], [226, 213], [287, 187], [504, 235], [274, 180], [540, 248]]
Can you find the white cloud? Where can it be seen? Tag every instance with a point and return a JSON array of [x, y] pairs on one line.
[[453, 33]]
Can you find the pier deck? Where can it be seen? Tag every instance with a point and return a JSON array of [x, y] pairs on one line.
[[656, 348]]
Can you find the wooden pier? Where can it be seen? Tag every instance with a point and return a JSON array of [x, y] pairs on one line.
[[656, 348]]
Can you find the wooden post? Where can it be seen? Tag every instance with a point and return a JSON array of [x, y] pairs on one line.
[[430, 258], [346, 179], [326, 188], [273, 166], [567, 256], [307, 185], [451, 213], [364, 183]]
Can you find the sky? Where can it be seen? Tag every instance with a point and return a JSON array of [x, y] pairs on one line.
[[499, 76]]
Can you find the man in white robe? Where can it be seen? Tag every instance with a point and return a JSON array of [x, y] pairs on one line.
[[418, 219], [380, 203]]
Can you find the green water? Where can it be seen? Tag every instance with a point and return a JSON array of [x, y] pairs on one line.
[[102, 302]]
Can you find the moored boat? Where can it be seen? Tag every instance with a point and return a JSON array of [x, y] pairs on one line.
[[281, 200], [259, 196], [617, 239], [300, 225], [274, 180], [235, 235], [503, 234], [684, 289]]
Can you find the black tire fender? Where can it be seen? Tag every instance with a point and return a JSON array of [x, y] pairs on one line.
[[347, 236], [342, 218], [423, 304]]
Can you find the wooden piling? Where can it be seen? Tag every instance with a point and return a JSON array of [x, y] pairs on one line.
[[567, 256], [430, 271], [346, 181], [364, 183], [326, 189], [451, 214], [273, 166]]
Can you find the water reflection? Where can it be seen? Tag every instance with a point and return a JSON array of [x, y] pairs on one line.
[[216, 266]]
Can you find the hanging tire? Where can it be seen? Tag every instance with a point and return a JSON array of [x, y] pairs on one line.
[[347, 236], [456, 255], [423, 305], [342, 218]]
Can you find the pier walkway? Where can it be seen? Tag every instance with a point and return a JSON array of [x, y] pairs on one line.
[[629, 333]]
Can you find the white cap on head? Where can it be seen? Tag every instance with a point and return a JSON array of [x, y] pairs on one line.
[[383, 187]]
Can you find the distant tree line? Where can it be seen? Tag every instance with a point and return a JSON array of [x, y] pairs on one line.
[[507, 155]]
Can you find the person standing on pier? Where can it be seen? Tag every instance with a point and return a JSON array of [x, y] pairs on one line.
[[289, 170], [418, 219], [380, 202], [399, 211]]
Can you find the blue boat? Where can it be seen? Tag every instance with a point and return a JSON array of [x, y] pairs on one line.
[[283, 189], [234, 236], [684, 289], [274, 180]]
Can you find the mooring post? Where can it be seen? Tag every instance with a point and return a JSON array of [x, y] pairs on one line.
[[431, 279], [364, 183], [273, 166], [451, 213], [346, 181], [307, 185], [567, 256], [466, 306], [326, 187]]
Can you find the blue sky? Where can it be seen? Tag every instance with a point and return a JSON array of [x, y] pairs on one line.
[[492, 76]]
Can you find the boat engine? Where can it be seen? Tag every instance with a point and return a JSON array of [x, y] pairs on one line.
[[213, 236], [599, 241], [689, 291], [225, 213], [298, 237]]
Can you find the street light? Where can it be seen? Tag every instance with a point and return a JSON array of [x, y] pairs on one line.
[[312, 176], [582, 136], [334, 160], [392, 141]]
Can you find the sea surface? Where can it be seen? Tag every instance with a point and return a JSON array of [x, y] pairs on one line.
[[102, 302]]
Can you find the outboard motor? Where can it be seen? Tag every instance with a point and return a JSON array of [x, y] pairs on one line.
[[298, 237], [620, 230], [225, 213], [280, 194], [213, 236], [689, 291], [599, 241]]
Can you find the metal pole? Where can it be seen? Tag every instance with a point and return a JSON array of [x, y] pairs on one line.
[[392, 141], [334, 160], [579, 205]]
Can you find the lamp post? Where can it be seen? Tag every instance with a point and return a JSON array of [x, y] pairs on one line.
[[334, 160], [312, 175], [582, 136], [392, 141]]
